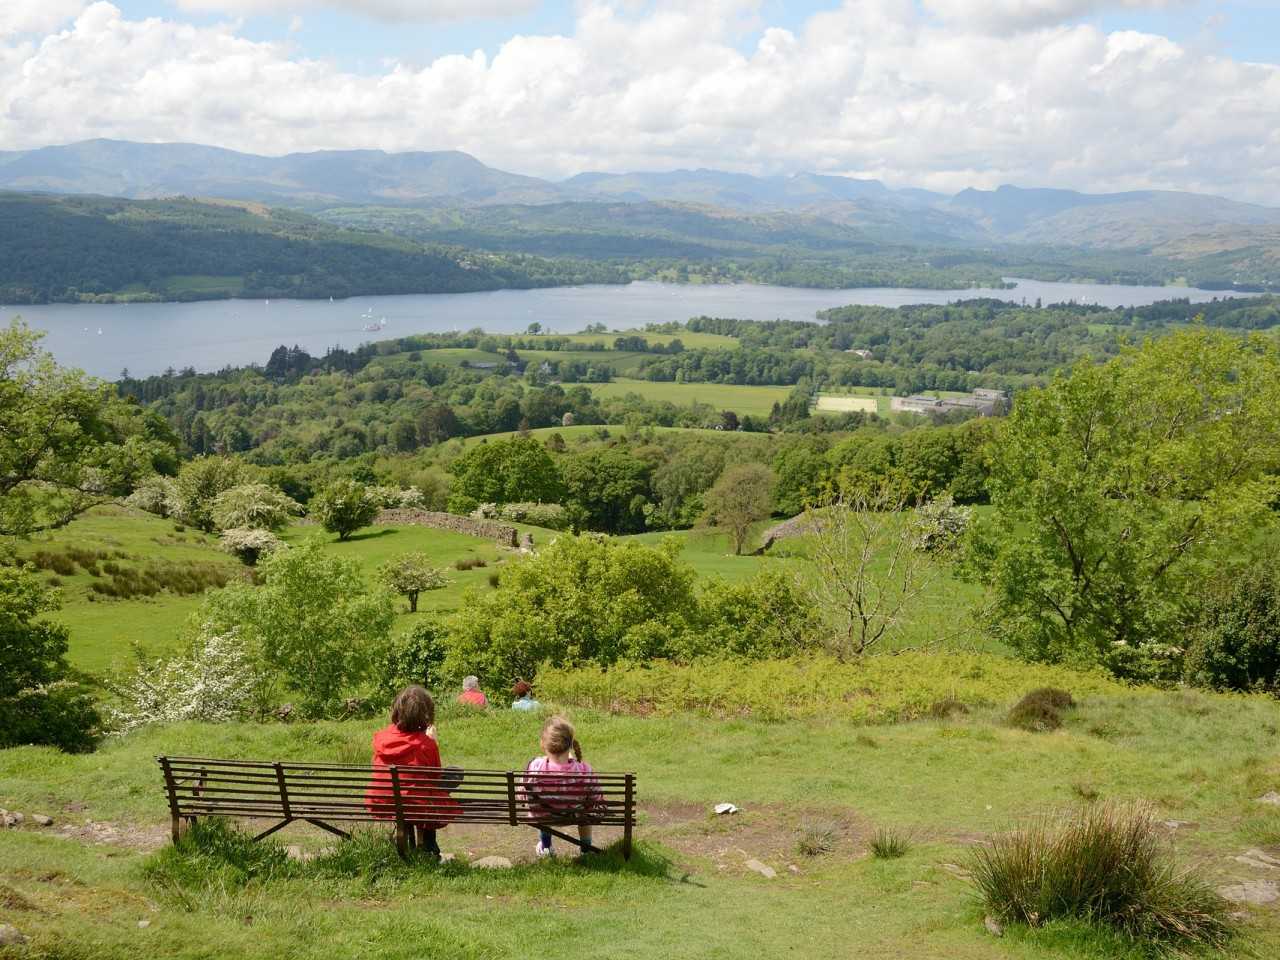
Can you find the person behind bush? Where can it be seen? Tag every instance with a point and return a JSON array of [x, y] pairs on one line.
[[523, 692], [409, 741], [471, 694], [558, 785]]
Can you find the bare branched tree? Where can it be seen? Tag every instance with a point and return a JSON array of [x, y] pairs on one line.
[[864, 572]]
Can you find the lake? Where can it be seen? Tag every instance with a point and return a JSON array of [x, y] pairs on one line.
[[103, 339]]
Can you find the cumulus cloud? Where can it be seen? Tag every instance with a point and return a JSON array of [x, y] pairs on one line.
[[872, 88], [1002, 15], [36, 16], [392, 10]]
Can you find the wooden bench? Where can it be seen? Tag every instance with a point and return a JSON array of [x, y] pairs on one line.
[[327, 794]]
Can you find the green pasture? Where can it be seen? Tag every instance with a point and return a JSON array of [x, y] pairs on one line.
[[1197, 759], [689, 338], [742, 399]]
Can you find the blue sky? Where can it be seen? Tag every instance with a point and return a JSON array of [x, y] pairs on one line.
[[1243, 29]]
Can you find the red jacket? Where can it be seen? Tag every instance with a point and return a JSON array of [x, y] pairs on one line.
[[423, 803]]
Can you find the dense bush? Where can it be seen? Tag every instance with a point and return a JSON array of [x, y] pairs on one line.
[[254, 506], [765, 616], [880, 689], [344, 507], [38, 704], [1108, 865], [579, 599], [939, 525], [414, 657], [514, 470], [1236, 643], [314, 629]]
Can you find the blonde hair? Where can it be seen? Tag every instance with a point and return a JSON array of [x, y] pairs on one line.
[[557, 737], [413, 710]]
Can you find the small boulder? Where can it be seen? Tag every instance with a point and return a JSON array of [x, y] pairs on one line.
[[1262, 855], [763, 869], [40, 820], [1257, 863], [1271, 797], [725, 808], [1257, 892], [13, 819], [143, 924], [956, 870], [993, 926], [10, 936], [491, 863]]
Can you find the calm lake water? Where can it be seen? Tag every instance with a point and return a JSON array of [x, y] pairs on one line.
[[103, 339]]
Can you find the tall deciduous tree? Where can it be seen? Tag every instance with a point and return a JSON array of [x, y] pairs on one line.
[[742, 497], [1118, 489], [344, 507], [515, 470]]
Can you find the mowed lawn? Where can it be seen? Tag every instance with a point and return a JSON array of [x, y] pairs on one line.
[[741, 399], [690, 892]]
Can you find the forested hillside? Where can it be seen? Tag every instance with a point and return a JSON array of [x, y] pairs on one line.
[[95, 248]]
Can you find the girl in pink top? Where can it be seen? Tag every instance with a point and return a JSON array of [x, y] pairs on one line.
[[558, 785]]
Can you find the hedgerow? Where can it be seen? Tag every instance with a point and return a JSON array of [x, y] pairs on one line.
[[876, 689]]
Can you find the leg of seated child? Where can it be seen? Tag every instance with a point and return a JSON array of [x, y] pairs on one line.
[[584, 833], [427, 841], [544, 843]]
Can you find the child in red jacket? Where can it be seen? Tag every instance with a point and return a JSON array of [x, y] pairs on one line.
[[409, 741]]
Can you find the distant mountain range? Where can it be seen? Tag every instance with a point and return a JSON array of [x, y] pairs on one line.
[[1140, 220]]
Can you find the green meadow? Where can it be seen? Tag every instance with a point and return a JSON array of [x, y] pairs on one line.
[[741, 399]]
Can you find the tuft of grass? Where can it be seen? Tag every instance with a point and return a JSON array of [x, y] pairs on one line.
[[1107, 865], [947, 707], [494, 579], [817, 839], [1085, 790], [470, 563], [888, 843], [864, 740], [1041, 710], [1263, 828]]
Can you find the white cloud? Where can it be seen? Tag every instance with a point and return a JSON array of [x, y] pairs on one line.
[[871, 89], [1000, 15], [36, 16], [392, 10]]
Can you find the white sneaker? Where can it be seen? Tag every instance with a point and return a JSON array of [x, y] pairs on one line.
[[542, 851]]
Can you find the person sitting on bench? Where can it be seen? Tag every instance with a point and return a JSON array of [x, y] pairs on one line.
[[558, 785], [409, 741]]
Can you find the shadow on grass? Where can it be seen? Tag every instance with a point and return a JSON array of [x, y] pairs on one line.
[[216, 854], [372, 534]]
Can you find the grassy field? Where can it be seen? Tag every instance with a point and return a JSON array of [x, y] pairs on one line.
[[588, 432], [80, 888], [741, 399], [689, 338]]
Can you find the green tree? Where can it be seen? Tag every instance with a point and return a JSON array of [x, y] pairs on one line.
[[1235, 644], [1120, 488], [741, 498], [199, 483], [409, 575], [577, 600], [513, 470], [253, 506], [314, 625], [344, 507], [66, 442], [607, 489], [800, 468]]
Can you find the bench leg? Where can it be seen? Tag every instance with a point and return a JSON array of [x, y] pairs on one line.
[[332, 829], [402, 841], [268, 832]]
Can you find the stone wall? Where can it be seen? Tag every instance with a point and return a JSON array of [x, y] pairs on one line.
[[504, 534]]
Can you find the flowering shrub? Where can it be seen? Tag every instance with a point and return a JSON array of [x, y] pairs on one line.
[[214, 683], [249, 544], [254, 505], [939, 524], [158, 495], [396, 498], [549, 515]]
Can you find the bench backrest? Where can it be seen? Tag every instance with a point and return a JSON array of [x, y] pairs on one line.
[[199, 786]]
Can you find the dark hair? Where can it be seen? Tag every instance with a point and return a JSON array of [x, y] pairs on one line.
[[521, 688], [413, 710], [557, 735]]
